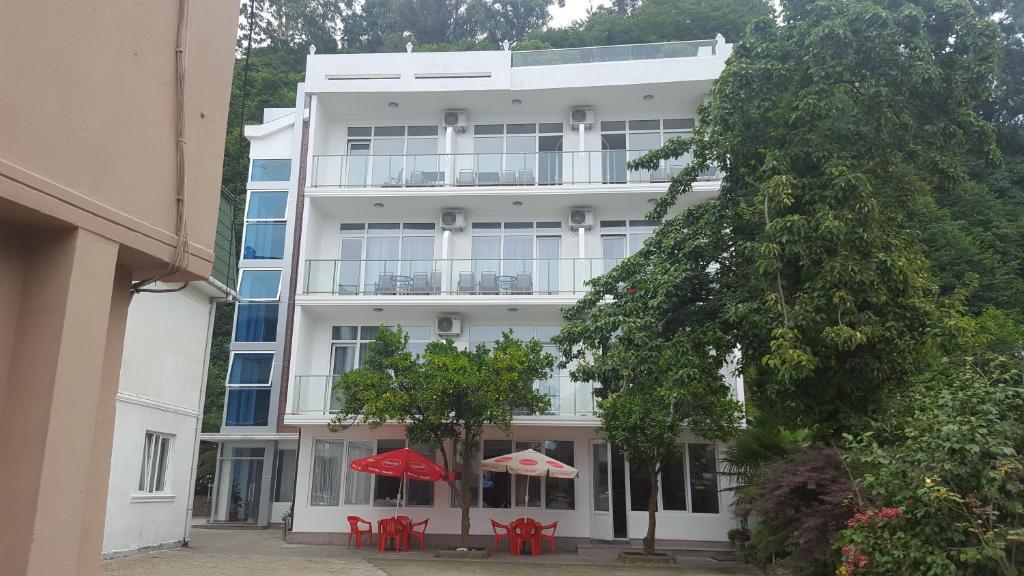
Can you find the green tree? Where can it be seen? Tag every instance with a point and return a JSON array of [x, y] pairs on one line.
[[828, 128], [659, 21], [293, 25], [445, 396], [645, 333]]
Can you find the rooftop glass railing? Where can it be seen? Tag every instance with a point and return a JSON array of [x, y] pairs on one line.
[[479, 276], [688, 49], [510, 169], [314, 396]]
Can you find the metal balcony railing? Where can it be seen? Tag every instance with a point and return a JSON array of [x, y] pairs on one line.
[[313, 396], [687, 49], [495, 276], [518, 169]]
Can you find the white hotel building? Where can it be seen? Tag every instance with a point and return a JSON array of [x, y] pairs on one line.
[[457, 195]]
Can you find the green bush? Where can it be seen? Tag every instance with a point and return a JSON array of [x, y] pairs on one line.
[[950, 458]]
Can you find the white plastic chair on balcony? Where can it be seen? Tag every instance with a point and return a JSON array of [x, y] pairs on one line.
[[466, 178], [525, 178]]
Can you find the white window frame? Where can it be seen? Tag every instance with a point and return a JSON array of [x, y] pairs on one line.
[[277, 295], [479, 503], [231, 363], [150, 473], [246, 220], [686, 478], [347, 473], [253, 161], [359, 341], [627, 232]]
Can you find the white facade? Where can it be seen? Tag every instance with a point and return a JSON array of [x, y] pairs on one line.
[[485, 187], [160, 398]]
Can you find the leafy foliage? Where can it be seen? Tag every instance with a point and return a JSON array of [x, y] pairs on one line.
[[950, 455], [657, 21], [445, 396], [804, 500], [643, 333], [822, 281]]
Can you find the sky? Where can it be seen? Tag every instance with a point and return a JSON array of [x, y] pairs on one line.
[[574, 10]]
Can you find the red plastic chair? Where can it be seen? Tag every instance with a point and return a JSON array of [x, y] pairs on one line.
[[389, 530], [524, 530], [542, 537], [355, 530], [421, 535], [499, 536]]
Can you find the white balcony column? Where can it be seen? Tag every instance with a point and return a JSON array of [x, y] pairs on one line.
[[446, 283], [449, 160]]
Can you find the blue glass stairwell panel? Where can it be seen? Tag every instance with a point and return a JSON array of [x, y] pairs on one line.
[[256, 322], [247, 407]]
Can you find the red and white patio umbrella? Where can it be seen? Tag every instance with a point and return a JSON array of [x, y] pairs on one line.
[[401, 463], [529, 463]]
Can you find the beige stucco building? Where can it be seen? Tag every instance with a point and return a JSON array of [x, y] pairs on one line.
[[88, 203]]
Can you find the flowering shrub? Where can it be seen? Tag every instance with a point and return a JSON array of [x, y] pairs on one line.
[[948, 460]]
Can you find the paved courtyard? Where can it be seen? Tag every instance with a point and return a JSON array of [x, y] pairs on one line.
[[262, 553]]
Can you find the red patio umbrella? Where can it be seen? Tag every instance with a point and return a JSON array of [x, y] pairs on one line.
[[400, 463]]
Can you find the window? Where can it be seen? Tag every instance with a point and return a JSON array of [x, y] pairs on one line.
[[497, 488], [284, 476], [155, 454], [350, 344], [250, 368], [523, 154], [247, 407], [276, 170], [703, 478], [515, 257], [327, 470], [385, 258], [357, 485], [362, 489], [386, 489], [622, 141], [690, 476], [622, 238], [263, 237], [256, 322], [394, 156], [259, 284]]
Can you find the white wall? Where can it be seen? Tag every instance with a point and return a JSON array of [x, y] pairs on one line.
[[445, 519], [161, 378]]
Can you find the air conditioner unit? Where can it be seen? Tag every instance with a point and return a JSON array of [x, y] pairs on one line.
[[457, 119], [449, 325], [453, 219], [581, 218], [581, 115]]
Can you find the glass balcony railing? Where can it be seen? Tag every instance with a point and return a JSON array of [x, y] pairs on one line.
[[498, 276], [313, 395], [500, 169], [688, 49]]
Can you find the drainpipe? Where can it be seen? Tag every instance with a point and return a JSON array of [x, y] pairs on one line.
[[187, 535]]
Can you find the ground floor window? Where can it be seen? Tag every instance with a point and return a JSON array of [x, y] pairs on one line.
[[332, 461], [284, 476], [496, 489], [155, 454], [689, 476]]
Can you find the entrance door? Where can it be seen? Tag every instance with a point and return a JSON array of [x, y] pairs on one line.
[[601, 524], [238, 486]]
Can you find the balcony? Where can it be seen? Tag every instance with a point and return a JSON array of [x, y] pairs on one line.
[[688, 49], [493, 277], [513, 169], [312, 396]]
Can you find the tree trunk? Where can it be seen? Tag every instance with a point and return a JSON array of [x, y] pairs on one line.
[[464, 493], [652, 510]]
